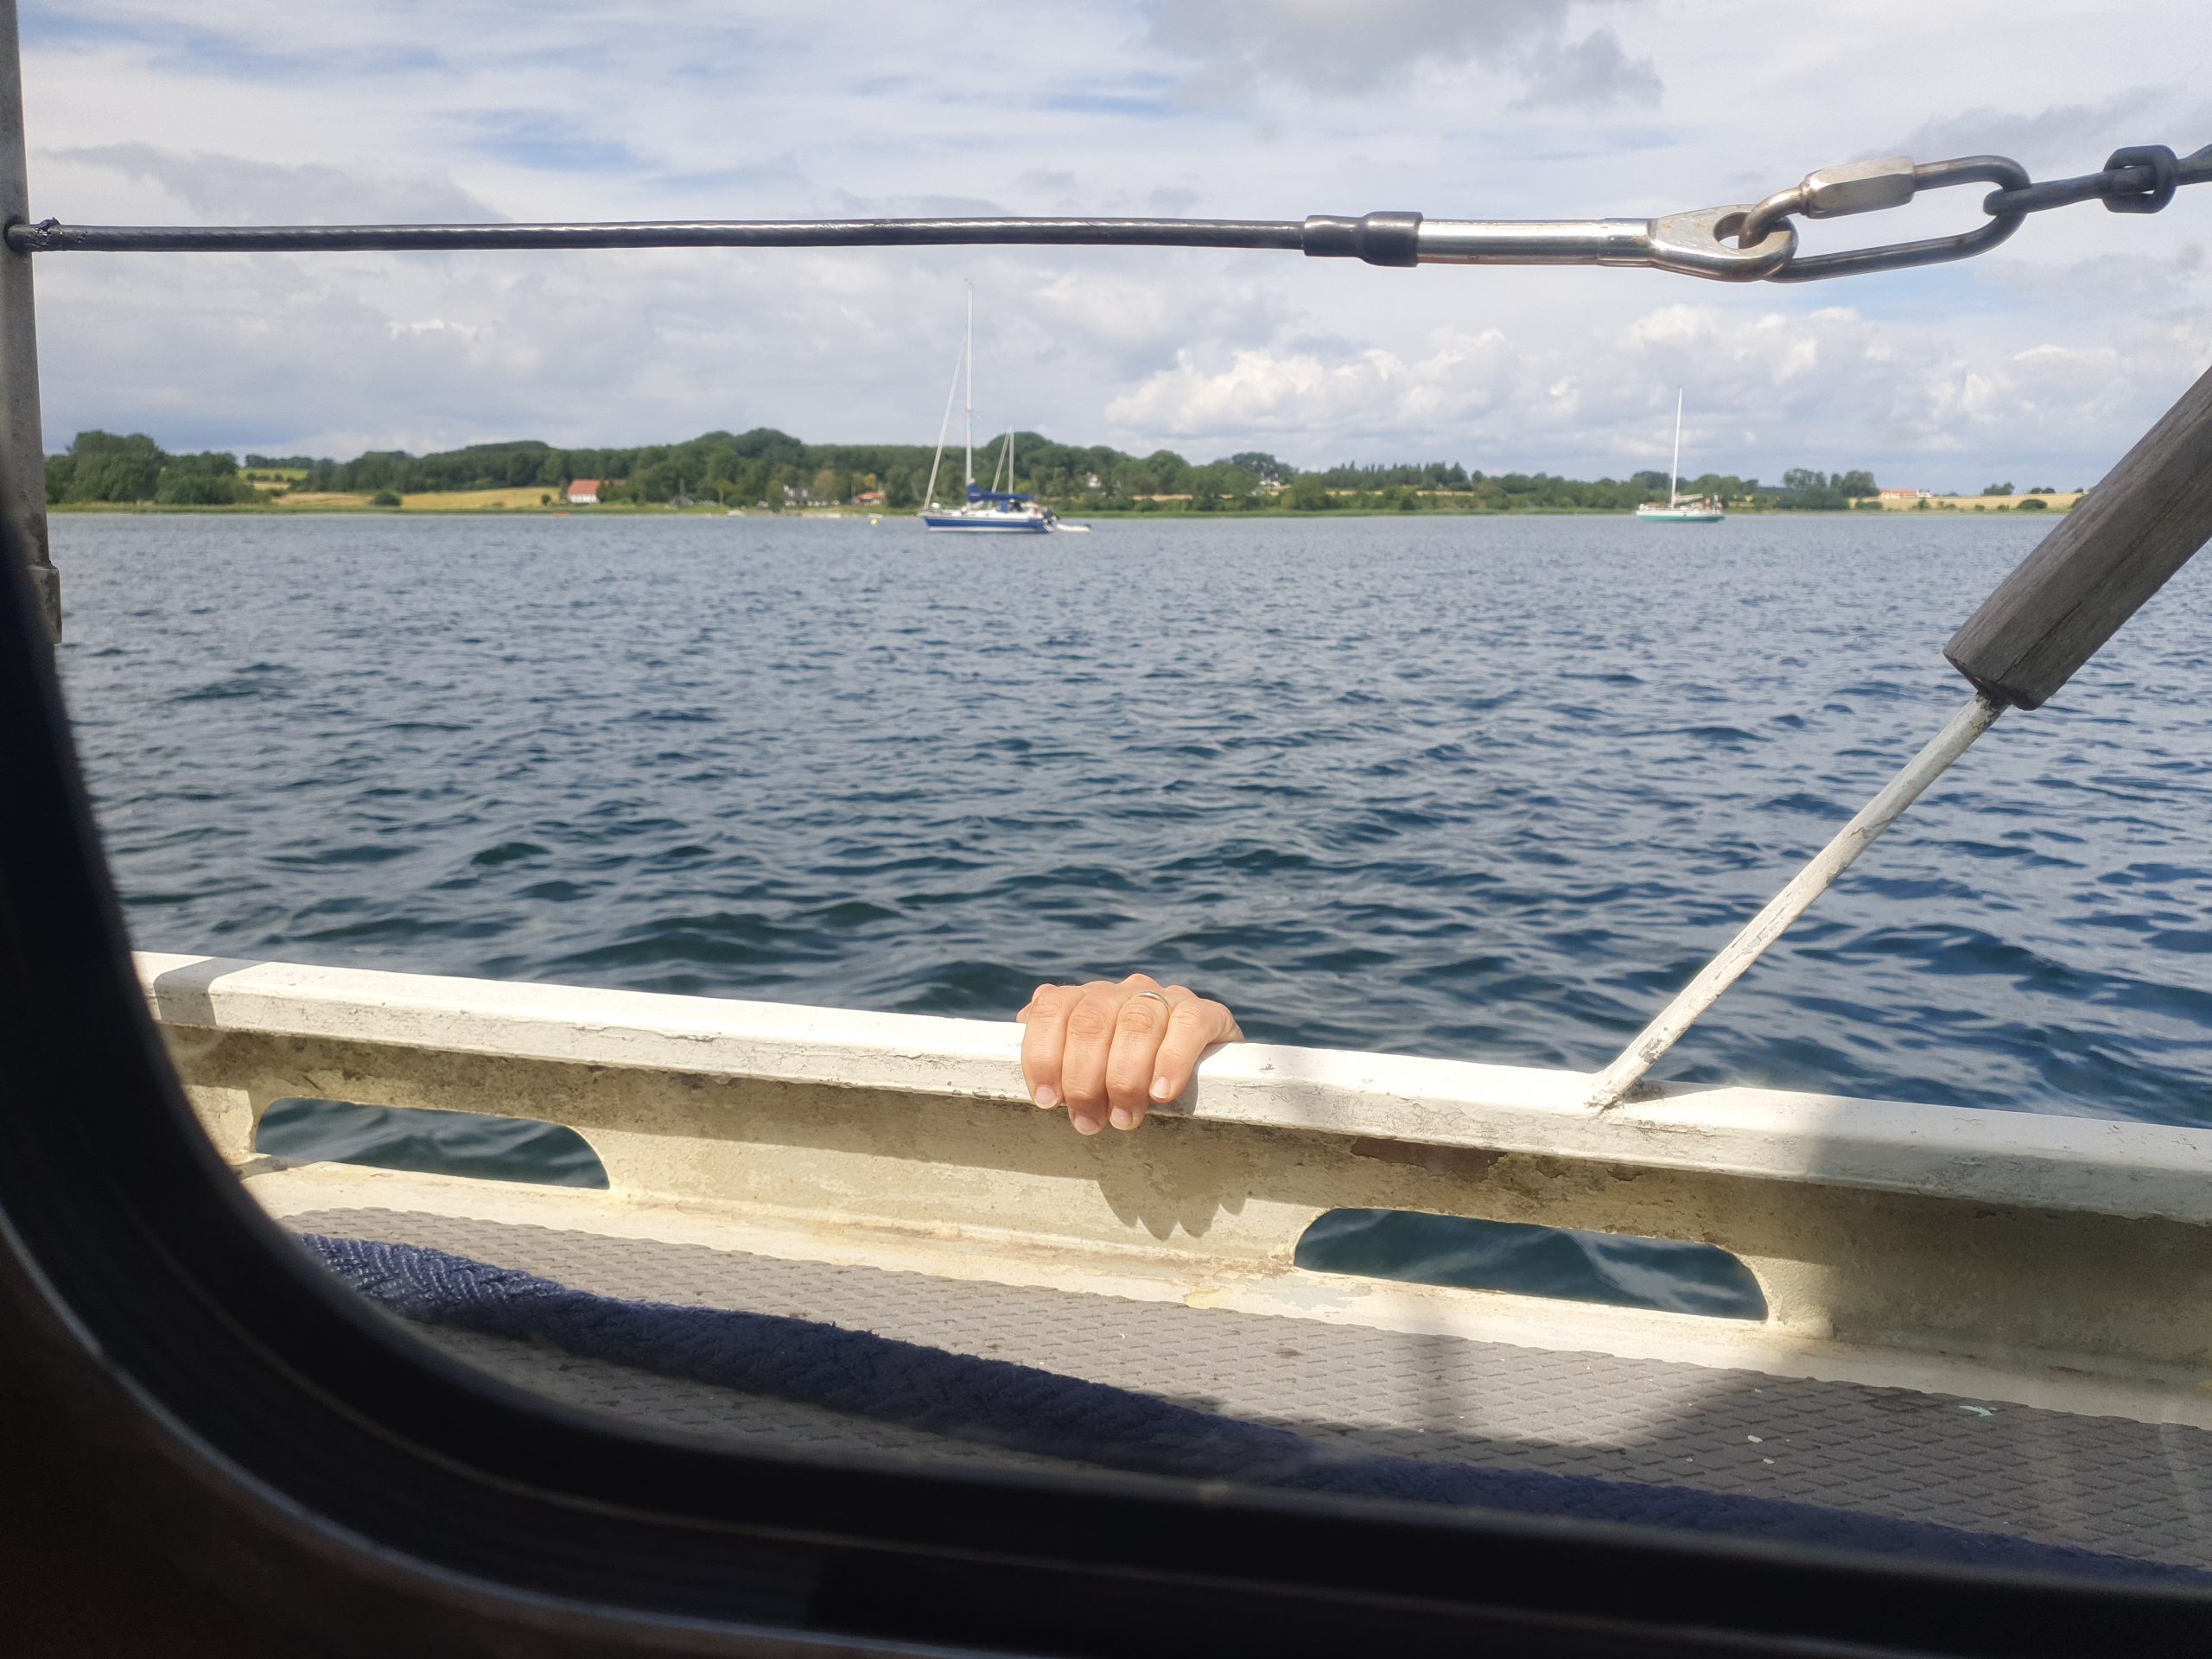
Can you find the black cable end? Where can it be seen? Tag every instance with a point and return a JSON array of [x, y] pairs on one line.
[[1390, 239]]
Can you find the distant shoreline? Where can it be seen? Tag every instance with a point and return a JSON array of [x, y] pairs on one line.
[[642, 510]]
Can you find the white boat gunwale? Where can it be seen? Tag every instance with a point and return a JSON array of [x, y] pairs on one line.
[[2044, 1247], [2099, 1167]]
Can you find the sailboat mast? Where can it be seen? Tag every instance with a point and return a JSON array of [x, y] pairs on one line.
[[1675, 468], [970, 355], [944, 426]]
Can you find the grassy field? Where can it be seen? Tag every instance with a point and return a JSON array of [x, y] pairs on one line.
[[2062, 502], [429, 501], [532, 495]]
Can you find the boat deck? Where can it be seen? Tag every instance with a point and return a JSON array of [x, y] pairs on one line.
[[2120, 1485], [1992, 1321]]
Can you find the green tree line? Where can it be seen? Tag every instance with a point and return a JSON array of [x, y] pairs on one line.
[[101, 467], [766, 468]]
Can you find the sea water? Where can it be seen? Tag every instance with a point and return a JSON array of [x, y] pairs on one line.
[[1488, 788]]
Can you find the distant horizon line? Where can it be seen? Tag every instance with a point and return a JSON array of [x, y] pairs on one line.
[[1243, 459]]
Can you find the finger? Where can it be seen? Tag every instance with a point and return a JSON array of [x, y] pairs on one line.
[[1142, 1022], [1197, 1025], [1044, 1034], [1083, 1058]]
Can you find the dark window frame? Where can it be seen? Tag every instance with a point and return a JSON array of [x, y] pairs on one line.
[[133, 1261]]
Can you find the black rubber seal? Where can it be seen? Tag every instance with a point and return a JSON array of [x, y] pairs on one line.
[[1386, 239]]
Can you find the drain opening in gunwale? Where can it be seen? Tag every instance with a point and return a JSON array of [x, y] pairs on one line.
[[424, 1141], [1567, 1264]]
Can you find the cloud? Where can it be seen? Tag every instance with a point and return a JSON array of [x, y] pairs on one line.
[[1593, 73], [1832, 388], [1326, 47], [2073, 137], [550, 141], [234, 189], [1261, 390], [2046, 357]]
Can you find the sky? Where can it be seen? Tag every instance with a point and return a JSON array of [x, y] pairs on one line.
[[2037, 364]]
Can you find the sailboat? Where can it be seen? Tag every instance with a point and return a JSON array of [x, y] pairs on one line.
[[991, 510], [1698, 509]]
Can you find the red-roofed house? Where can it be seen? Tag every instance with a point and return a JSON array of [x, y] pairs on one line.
[[584, 492]]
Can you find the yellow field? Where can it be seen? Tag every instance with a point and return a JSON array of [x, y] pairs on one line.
[[433, 500], [2059, 503], [463, 500]]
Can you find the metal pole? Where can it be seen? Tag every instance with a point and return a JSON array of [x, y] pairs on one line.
[[1786, 906], [1674, 467], [23, 445], [970, 351]]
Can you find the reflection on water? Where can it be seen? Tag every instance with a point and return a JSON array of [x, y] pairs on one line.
[[434, 1142], [1568, 1264]]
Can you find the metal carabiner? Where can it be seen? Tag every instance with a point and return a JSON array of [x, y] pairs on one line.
[[1868, 187]]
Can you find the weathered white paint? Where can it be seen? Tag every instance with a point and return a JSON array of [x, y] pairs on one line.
[[1737, 956], [2048, 1162], [289, 1191], [2023, 1242]]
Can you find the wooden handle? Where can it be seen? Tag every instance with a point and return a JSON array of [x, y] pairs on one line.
[[2115, 550]]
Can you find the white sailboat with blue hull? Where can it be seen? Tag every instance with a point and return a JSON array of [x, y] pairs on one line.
[[983, 512], [1697, 509]]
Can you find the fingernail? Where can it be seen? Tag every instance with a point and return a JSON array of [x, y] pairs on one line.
[[1046, 1096], [1087, 1125], [1123, 1118], [1162, 1090]]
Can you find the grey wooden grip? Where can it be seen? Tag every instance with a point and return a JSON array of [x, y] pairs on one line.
[[2095, 570]]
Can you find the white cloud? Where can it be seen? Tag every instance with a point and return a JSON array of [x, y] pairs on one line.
[[2047, 355], [1832, 388], [230, 189], [1372, 392], [1590, 74], [1316, 43], [2074, 137]]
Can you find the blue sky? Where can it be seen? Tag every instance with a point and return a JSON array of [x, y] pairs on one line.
[[2038, 363]]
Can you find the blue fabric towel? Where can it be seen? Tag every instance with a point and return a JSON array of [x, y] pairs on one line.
[[1001, 1403]]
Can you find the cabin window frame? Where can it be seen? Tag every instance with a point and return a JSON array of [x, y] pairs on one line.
[[272, 1377]]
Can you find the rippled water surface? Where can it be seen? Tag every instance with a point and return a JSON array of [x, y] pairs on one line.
[[1484, 788]]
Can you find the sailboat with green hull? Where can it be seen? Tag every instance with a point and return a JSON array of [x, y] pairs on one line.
[[1694, 510]]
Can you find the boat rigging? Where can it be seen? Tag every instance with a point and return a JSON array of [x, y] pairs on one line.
[[1745, 242], [990, 511], [2149, 517], [1698, 510]]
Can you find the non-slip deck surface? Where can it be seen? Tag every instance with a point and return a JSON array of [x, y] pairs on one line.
[[2105, 1483]]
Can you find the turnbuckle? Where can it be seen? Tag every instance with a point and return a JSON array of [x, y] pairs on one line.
[[1870, 187]]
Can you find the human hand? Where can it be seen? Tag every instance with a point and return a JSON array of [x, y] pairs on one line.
[[1113, 1051]]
